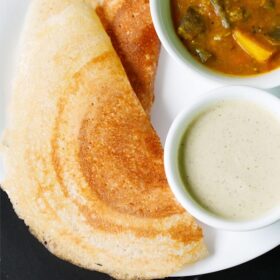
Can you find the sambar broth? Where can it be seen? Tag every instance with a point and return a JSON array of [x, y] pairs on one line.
[[212, 42]]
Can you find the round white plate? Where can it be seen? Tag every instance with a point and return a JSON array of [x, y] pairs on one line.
[[175, 87]]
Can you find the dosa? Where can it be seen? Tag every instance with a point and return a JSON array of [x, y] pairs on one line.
[[83, 165]]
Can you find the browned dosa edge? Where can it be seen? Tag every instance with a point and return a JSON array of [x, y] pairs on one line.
[[129, 24]]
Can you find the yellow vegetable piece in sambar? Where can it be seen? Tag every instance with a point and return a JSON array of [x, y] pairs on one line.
[[252, 47]]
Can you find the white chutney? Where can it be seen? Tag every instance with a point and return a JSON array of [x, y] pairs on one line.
[[229, 160]]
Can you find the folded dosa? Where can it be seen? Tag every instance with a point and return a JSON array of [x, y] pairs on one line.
[[83, 165], [129, 25]]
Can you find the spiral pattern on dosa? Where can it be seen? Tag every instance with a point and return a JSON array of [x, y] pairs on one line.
[[83, 165]]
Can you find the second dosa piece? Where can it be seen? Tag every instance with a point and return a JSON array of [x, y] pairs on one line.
[[130, 27]]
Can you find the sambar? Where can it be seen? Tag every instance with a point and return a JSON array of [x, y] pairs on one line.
[[237, 37]]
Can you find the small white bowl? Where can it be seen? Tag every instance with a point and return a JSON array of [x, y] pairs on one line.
[[174, 137], [162, 19]]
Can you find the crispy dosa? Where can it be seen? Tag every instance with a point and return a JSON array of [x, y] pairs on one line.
[[130, 27], [83, 165]]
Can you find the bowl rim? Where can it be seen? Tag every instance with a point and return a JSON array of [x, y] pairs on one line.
[[165, 30], [176, 131]]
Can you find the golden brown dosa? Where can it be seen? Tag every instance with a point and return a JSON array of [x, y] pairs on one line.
[[83, 165], [129, 25]]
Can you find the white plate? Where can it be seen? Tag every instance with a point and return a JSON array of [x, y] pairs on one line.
[[175, 87]]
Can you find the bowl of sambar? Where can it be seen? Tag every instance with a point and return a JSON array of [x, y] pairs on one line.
[[233, 42]]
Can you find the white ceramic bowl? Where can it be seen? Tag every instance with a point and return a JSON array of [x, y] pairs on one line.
[[175, 134], [161, 14]]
